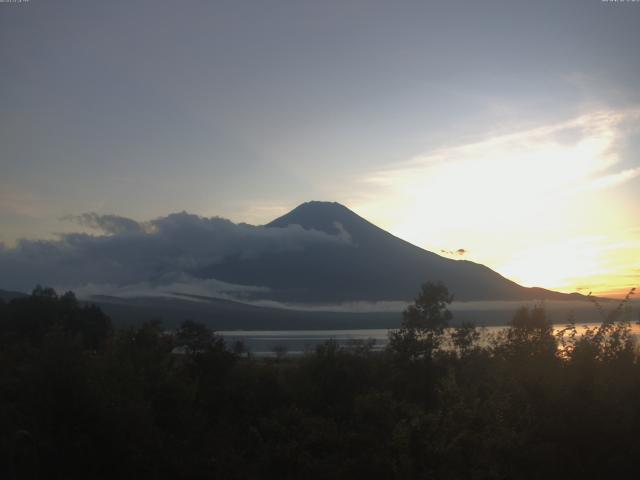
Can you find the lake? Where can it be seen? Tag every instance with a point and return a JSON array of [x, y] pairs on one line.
[[264, 343]]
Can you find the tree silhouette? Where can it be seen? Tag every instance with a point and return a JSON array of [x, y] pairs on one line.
[[424, 322]]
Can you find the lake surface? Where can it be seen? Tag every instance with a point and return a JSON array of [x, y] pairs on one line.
[[264, 343]]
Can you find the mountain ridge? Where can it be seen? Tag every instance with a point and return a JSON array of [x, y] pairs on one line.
[[374, 265]]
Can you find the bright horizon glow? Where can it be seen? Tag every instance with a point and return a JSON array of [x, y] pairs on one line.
[[536, 205]]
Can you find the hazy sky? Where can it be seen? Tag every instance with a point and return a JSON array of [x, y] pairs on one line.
[[510, 129]]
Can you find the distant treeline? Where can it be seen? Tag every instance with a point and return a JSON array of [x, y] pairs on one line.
[[80, 399]]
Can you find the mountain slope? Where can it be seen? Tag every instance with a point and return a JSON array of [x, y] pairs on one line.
[[8, 295], [372, 266]]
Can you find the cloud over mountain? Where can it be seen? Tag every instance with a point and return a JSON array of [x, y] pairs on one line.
[[162, 251], [110, 224]]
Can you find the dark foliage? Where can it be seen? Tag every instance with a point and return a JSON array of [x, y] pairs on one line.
[[80, 400]]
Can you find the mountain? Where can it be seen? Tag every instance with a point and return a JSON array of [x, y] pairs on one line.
[[369, 265], [8, 295]]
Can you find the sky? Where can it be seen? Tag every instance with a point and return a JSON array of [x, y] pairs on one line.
[[505, 133]]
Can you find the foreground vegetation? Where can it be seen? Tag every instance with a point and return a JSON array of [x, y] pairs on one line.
[[81, 400]]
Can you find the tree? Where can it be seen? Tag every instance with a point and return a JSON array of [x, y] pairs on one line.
[[530, 333], [423, 322], [195, 337], [464, 338]]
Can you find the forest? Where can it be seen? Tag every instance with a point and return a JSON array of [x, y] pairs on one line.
[[82, 399]]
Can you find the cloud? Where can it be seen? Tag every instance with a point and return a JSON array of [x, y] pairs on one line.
[[553, 156], [110, 224], [505, 181], [564, 157], [611, 180], [461, 252], [179, 285], [166, 251]]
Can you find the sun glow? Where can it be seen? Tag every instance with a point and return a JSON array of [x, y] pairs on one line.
[[579, 264], [534, 205]]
